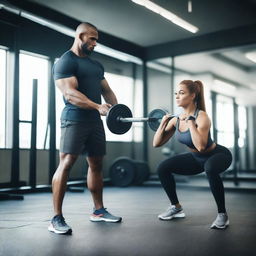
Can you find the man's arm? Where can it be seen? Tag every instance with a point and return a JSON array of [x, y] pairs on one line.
[[107, 93], [68, 87]]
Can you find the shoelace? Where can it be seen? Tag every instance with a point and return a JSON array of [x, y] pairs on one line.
[[61, 221], [103, 211]]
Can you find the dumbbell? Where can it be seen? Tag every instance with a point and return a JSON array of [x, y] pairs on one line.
[[119, 119]]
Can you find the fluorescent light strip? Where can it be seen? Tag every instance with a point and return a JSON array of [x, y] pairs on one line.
[[156, 66], [224, 85], [100, 48], [70, 32], [167, 14], [251, 56]]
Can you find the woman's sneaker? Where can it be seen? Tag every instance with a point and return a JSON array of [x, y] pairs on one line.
[[172, 212], [59, 226], [103, 215], [221, 221]]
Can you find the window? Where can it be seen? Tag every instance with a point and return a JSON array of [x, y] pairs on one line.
[[2, 98], [225, 121], [123, 88], [33, 67], [242, 120]]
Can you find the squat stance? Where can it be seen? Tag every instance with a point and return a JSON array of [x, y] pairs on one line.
[[192, 128]]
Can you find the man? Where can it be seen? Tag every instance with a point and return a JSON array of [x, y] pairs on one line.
[[81, 81]]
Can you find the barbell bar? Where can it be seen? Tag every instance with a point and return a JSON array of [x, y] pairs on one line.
[[119, 119]]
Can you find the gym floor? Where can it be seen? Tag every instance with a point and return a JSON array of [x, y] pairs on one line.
[[23, 225]]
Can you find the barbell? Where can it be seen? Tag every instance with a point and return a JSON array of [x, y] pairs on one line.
[[119, 119]]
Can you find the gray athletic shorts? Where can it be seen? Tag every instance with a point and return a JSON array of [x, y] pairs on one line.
[[82, 138]]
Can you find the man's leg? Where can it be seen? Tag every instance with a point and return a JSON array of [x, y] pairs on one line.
[[59, 184], [59, 181], [95, 185], [95, 180]]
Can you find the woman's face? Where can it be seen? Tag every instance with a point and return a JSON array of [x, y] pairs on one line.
[[183, 96]]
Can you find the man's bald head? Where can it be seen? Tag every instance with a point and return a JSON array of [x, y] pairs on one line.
[[84, 27], [86, 38]]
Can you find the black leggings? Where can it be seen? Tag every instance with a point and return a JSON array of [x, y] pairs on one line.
[[212, 163]]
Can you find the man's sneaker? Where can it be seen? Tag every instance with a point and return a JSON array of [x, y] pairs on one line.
[[59, 226], [172, 212], [221, 221], [103, 215]]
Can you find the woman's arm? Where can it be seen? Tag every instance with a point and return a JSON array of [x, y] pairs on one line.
[[165, 131], [200, 133]]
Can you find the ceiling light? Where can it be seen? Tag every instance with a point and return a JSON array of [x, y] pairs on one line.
[[100, 48], [167, 14], [189, 6], [251, 56], [71, 32]]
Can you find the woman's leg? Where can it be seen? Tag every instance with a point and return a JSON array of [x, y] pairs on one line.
[[217, 163], [183, 164]]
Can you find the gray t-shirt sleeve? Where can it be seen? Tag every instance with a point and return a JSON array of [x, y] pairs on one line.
[[64, 68]]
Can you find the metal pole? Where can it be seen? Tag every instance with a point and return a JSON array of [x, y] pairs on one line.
[[51, 122], [236, 148], [145, 109], [15, 169], [134, 77], [32, 162], [133, 119], [214, 116]]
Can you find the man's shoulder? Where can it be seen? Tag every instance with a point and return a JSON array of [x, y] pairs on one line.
[[66, 58], [65, 66], [68, 55]]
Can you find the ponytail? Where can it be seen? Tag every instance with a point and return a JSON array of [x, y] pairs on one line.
[[200, 96], [197, 88]]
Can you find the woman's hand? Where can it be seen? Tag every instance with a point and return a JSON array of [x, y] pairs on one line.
[[164, 131]]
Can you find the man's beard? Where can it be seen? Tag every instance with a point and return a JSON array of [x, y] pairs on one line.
[[85, 49]]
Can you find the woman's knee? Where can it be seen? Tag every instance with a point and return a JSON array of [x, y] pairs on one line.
[[163, 169]]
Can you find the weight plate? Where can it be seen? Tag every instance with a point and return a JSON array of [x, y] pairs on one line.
[[113, 122], [122, 172], [155, 117]]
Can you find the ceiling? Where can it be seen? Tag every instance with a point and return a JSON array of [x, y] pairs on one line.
[[126, 20], [227, 30]]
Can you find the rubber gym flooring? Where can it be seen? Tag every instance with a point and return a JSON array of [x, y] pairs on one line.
[[23, 225]]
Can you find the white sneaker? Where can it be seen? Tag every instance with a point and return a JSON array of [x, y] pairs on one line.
[[221, 221], [172, 212], [103, 215]]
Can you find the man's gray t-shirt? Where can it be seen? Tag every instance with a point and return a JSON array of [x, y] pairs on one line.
[[89, 74]]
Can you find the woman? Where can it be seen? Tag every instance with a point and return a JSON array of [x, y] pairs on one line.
[[192, 128]]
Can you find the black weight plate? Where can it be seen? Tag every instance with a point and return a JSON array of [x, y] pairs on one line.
[[113, 122], [155, 117], [122, 172], [142, 173]]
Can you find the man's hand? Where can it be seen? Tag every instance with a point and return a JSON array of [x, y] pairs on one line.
[[104, 108]]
